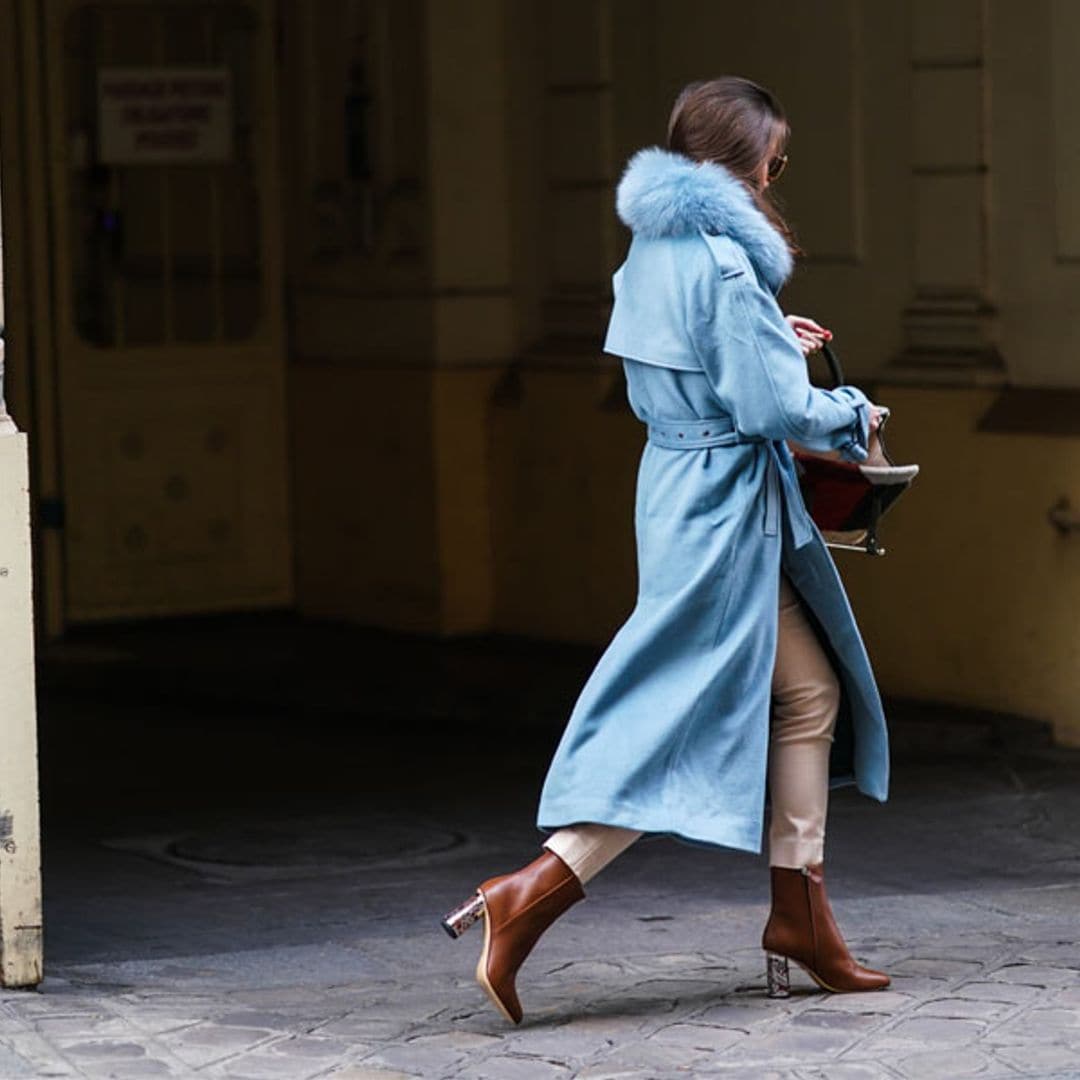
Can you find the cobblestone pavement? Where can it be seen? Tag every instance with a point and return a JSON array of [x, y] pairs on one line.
[[199, 927]]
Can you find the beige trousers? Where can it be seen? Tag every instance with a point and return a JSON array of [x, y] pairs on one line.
[[805, 701]]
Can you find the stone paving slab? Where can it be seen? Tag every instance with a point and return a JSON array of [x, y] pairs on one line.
[[984, 1004], [298, 965]]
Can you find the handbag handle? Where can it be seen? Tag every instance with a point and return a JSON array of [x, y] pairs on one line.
[[835, 369]]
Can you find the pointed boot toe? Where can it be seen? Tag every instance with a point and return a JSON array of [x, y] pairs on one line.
[[498, 977]]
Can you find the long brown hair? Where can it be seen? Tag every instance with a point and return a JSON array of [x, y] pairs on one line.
[[738, 124]]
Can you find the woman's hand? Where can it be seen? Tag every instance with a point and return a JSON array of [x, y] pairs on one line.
[[811, 335]]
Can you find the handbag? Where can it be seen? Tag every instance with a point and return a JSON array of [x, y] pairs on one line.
[[848, 499]]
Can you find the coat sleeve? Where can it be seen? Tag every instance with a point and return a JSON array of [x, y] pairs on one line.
[[756, 368]]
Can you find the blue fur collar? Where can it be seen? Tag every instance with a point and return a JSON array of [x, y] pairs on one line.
[[666, 194]]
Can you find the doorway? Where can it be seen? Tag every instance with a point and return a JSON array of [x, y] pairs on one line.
[[165, 284]]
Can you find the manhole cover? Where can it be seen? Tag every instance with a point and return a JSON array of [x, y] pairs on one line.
[[311, 842]]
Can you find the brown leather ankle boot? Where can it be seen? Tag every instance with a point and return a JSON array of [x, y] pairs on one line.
[[801, 927], [517, 908]]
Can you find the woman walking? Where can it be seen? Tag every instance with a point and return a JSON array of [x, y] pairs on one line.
[[741, 667]]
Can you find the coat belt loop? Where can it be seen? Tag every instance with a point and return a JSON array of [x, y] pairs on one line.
[[798, 518], [773, 494]]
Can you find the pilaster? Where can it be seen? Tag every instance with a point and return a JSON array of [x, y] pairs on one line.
[[581, 228], [950, 323]]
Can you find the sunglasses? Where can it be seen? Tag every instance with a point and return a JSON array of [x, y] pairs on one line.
[[777, 165]]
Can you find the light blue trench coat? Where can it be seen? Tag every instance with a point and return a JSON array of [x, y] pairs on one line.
[[671, 731]]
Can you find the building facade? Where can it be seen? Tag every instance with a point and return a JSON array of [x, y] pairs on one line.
[[304, 304]]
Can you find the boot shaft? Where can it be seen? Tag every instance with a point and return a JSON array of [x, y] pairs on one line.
[[532, 898]]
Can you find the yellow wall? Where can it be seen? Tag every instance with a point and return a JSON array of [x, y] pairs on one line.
[[978, 600], [392, 504], [364, 495], [463, 460], [464, 500], [464, 457], [564, 453]]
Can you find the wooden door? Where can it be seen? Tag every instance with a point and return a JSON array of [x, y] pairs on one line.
[[166, 296]]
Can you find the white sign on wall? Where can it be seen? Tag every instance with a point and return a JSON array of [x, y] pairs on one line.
[[163, 115]]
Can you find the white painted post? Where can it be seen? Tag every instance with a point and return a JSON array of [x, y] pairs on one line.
[[7, 425], [20, 838]]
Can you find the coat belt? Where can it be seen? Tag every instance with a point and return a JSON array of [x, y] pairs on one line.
[[696, 434], [781, 485]]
